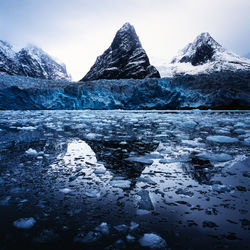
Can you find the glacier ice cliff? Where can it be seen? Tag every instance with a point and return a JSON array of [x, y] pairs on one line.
[[221, 90]]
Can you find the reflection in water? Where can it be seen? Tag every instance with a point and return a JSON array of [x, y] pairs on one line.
[[79, 150], [76, 174], [199, 169], [114, 155]]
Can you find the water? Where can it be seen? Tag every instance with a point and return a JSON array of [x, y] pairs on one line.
[[113, 179]]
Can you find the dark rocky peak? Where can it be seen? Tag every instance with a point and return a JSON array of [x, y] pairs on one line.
[[125, 58], [200, 51], [126, 39]]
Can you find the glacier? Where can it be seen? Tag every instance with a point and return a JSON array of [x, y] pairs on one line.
[[221, 90]]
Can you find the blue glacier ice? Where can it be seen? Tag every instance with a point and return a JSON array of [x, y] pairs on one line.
[[183, 92]]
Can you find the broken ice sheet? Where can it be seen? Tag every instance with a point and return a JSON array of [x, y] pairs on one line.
[[24, 223]]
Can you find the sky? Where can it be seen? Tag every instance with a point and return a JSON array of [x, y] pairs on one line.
[[77, 31]]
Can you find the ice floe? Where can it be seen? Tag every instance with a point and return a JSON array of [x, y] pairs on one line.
[[24, 223]]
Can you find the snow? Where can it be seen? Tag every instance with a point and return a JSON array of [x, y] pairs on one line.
[[222, 60], [153, 241], [24, 223]]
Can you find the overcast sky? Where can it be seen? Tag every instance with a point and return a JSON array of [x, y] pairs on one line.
[[77, 31]]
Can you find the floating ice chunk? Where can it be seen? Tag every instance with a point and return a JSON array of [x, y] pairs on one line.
[[146, 180], [215, 157], [221, 139], [103, 228], [240, 131], [241, 125], [123, 142], [24, 223], [26, 128], [121, 228], [153, 241], [189, 124], [91, 136], [93, 193], [133, 226], [193, 143], [246, 142], [222, 188], [145, 202], [140, 159], [130, 238], [65, 190], [120, 183], [31, 152], [142, 212], [184, 192], [100, 170]]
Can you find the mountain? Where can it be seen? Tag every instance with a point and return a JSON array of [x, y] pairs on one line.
[[204, 56], [31, 61], [8, 63], [124, 59]]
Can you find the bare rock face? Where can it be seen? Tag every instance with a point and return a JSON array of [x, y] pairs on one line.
[[124, 59]]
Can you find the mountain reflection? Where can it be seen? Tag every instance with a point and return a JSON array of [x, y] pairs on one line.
[[114, 154]]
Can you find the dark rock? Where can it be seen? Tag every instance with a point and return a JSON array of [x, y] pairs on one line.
[[124, 59]]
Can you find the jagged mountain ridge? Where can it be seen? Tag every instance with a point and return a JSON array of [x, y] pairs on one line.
[[30, 61], [204, 56], [124, 59]]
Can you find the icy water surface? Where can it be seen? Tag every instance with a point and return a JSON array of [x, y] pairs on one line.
[[124, 179]]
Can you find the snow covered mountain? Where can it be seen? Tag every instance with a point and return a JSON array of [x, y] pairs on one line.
[[30, 61], [124, 59], [204, 56], [8, 63]]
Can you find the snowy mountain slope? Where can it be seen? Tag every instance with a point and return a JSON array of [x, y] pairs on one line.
[[124, 59], [30, 61], [8, 58], [204, 56]]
